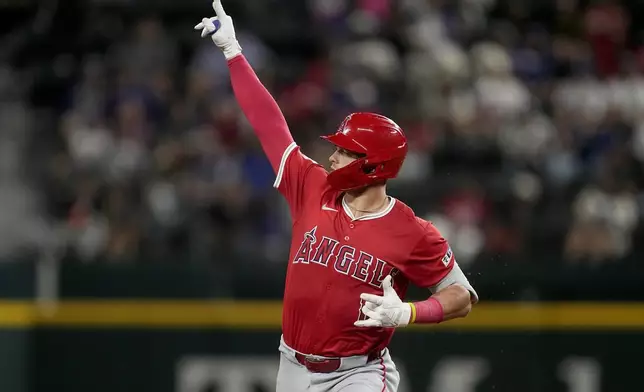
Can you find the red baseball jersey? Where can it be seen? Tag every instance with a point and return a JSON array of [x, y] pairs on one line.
[[334, 258]]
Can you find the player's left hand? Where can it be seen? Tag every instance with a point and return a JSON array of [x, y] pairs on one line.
[[387, 310]]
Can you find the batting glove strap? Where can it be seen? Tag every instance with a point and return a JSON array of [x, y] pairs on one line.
[[232, 50]]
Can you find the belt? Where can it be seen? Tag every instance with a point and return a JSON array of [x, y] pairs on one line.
[[328, 365]]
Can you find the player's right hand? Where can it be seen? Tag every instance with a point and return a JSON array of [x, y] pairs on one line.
[[387, 311], [222, 31]]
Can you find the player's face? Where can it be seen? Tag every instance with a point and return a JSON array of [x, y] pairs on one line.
[[341, 158]]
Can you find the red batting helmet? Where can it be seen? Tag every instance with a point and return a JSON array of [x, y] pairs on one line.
[[381, 144]]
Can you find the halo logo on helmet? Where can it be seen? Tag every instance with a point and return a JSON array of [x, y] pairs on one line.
[[382, 144]]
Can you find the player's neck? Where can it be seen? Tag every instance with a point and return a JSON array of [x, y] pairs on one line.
[[367, 201]]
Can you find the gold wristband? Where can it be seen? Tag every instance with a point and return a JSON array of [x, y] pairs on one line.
[[412, 318]]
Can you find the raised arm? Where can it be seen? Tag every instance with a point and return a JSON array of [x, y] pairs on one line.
[[260, 109], [256, 102]]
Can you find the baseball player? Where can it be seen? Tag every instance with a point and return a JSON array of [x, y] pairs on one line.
[[354, 249]]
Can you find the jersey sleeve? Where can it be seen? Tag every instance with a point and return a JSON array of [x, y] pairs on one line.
[[298, 177], [432, 264], [456, 276], [430, 261]]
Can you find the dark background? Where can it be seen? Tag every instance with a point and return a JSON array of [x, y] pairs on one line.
[[128, 171]]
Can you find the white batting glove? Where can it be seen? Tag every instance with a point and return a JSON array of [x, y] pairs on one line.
[[387, 310], [222, 31]]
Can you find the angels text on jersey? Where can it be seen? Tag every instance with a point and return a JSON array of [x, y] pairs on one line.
[[343, 258]]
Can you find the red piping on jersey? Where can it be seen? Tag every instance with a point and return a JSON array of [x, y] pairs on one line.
[[261, 110], [384, 374]]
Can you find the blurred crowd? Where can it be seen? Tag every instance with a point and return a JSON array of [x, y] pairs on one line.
[[525, 120]]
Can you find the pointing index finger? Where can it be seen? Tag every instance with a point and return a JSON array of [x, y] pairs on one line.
[[219, 9]]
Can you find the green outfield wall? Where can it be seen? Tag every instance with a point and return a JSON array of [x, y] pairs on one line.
[[125, 330]]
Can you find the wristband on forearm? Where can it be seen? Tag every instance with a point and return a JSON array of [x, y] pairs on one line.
[[429, 311]]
